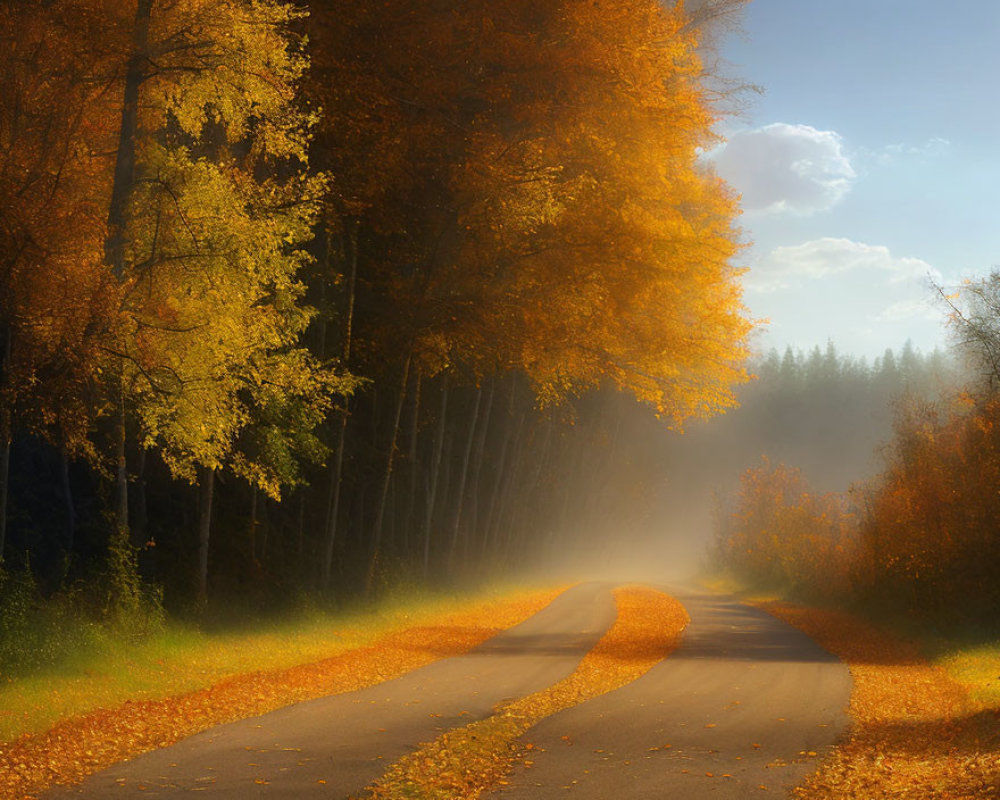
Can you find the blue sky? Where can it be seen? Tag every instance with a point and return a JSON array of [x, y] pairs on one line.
[[869, 166]]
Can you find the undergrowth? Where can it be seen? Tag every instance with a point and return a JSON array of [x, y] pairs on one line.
[[69, 661]]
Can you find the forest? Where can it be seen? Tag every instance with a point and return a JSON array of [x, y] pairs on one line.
[[313, 299], [911, 536]]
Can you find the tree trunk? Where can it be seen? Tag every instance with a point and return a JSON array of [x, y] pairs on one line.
[[300, 537], [456, 522], [333, 504], [511, 432], [124, 176], [386, 478], [114, 244], [337, 467], [265, 527], [411, 499], [67, 493], [477, 461], [206, 489], [141, 517], [506, 503], [4, 480], [253, 524], [121, 471], [518, 510], [432, 486], [6, 424]]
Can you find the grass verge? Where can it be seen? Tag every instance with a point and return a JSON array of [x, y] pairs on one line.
[[467, 761], [183, 682]]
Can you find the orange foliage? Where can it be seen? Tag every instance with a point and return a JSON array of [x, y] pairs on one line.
[[925, 543], [930, 535], [532, 178], [781, 534], [916, 733], [55, 301]]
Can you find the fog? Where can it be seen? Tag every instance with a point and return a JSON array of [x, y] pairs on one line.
[[645, 508]]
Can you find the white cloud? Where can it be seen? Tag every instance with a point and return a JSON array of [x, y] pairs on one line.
[[785, 267], [861, 296], [933, 148], [784, 168]]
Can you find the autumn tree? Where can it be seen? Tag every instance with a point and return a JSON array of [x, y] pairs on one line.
[[210, 211], [532, 201], [781, 534], [974, 319], [56, 303]]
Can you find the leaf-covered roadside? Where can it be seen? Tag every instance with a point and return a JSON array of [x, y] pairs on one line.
[[465, 762], [80, 746], [917, 734]]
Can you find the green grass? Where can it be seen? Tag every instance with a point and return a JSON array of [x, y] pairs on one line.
[[977, 667], [105, 672]]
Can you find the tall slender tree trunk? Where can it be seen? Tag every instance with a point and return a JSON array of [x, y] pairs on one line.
[[512, 431], [518, 524], [5, 440], [411, 499], [114, 245], [124, 176], [300, 536], [67, 492], [4, 478], [507, 502], [456, 522], [206, 490], [478, 456], [376, 545], [121, 471], [435, 473], [253, 524], [337, 467], [141, 516], [264, 526]]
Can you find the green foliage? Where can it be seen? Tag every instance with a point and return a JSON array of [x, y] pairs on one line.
[[37, 633], [132, 611]]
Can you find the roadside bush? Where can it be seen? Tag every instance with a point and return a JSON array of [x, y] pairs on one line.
[[781, 535], [39, 632]]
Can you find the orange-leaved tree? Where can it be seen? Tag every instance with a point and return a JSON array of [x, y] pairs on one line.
[[781, 534], [57, 304], [533, 200]]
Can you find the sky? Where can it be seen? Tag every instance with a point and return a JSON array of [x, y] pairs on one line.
[[868, 167]]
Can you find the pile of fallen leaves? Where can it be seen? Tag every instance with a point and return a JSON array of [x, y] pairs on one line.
[[916, 732], [465, 762], [81, 746]]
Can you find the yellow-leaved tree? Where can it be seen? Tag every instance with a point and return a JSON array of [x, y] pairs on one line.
[[210, 212]]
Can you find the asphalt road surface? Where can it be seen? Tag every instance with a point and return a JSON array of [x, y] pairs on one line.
[[744, 708], [745, 698]]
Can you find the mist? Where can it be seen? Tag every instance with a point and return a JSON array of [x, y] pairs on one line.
[[648, 509]]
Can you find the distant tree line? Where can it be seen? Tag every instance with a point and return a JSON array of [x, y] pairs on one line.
[[918, 535], [309, 299]]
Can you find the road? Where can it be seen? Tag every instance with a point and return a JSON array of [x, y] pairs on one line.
[[745, 697], [744, 708]]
